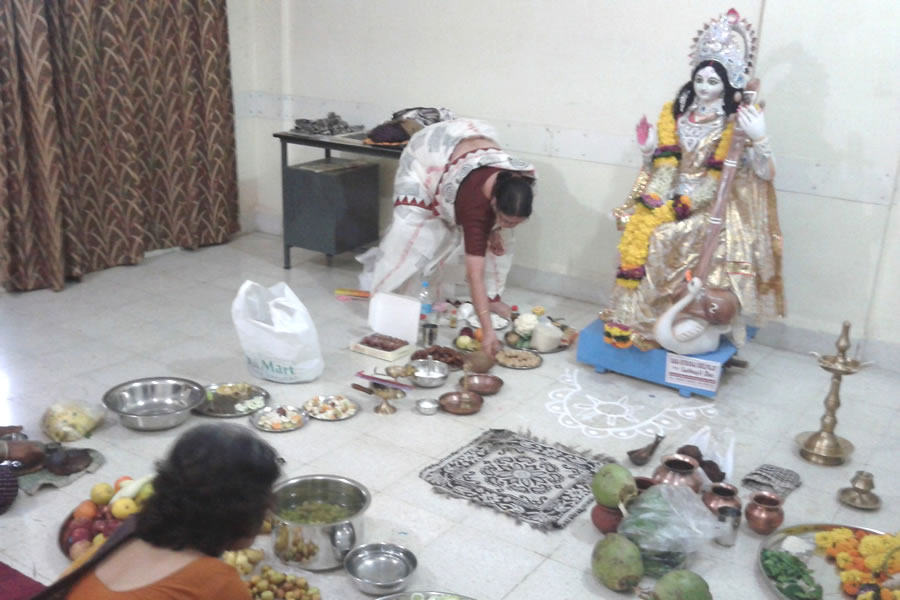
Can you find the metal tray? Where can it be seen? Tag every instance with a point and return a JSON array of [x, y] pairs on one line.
[[312, 414], [258, 415], [424, 596], [223, 405], [823, 571], [540, 361]]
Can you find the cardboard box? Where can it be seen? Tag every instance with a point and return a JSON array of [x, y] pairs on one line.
[[383, 354], [396, 316]]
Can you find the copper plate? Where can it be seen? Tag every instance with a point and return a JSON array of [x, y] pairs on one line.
[[453, 403]]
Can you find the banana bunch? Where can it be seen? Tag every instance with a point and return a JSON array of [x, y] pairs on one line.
[[243, 560]]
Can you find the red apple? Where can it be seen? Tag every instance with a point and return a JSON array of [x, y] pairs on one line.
[[78, 523], [80, 534], [98, 526]]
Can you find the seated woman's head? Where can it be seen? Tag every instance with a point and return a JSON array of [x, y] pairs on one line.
[[211, 491], [513, 195]]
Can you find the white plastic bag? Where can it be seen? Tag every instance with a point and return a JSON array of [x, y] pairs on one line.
[[717, 446], [277, 334]]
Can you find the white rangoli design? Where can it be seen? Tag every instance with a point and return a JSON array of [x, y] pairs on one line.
[[622, 419]]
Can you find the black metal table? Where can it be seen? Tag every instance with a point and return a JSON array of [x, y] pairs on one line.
[[348, 142]]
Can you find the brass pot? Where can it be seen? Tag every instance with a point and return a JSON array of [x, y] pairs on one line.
[[721, 494], [678, 469], [764, 512]]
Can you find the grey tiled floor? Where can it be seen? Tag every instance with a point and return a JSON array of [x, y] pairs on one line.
[[171, 315]]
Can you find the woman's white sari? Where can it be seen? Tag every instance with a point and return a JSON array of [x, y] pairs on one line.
[[424, 238]]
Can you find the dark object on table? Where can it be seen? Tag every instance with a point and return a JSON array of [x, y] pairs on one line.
[[692, 451], [332, 124], [9, 488], [641, 456], [394, 132], [65, 461], [712, 470]]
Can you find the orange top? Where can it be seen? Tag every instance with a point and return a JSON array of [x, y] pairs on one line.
[[206, 577]]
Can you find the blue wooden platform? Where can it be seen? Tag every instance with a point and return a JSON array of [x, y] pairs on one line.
[[651, 365]]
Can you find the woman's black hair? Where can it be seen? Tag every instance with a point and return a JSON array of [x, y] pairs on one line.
[[685, 96], [514, 194], [212, 489]]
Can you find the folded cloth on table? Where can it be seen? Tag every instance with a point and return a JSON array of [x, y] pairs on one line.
[[332, 124], [769, 477]]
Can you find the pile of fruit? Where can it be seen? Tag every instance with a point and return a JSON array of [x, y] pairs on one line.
[[243, 560], [866, 561], [290, 545], [271, 584], [469, 339], [94, 520]]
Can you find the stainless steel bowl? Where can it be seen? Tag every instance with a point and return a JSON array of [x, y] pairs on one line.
[[318, 546], [429, 373], [154, 403], [427, 406], [380, 568]]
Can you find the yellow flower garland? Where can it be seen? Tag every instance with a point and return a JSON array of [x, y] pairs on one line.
[[635, 243]]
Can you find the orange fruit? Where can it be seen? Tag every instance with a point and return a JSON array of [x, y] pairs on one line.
[[85, 510], [479, 335], [122, 481]]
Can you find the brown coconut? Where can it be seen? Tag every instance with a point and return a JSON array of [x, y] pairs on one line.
[[479, 362]]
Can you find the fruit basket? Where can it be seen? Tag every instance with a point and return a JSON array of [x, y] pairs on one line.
[[95, 519]]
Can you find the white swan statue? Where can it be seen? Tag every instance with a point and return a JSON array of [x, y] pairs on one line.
[[688, 335]]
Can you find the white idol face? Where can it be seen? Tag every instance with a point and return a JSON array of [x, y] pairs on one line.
[[708, 86]]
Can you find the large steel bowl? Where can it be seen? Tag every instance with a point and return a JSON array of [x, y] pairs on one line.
[[429, 373], [379, 569], [154, 403], [318, 546]]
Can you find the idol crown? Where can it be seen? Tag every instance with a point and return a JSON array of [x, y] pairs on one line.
[[730, 41]]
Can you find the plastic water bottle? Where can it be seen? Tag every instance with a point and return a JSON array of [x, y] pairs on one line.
[[426, 297]]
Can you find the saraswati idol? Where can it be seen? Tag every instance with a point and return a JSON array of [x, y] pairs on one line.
[[700, 253]]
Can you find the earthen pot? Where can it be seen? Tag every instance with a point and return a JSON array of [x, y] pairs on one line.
[[606, 519], [721, 494], [764, 513], [678, 469], [643, 484]]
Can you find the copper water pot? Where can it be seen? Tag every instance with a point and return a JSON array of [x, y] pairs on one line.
[[764, 512], [721, 494], [678, 469]]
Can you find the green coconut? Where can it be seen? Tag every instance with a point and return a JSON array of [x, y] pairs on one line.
[[616, 562], [681, 585], [613, 485]]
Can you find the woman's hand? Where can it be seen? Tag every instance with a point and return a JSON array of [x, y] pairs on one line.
[[490, 343], [646, 136], [752, 121], [495, 243]]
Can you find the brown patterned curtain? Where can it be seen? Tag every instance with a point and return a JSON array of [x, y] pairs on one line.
[[117, 129]]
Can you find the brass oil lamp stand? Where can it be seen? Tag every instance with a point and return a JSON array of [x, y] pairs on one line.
[[824, 447]]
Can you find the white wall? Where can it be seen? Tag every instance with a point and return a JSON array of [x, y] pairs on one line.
[[564, 82]]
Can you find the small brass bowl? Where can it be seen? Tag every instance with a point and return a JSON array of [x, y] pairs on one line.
[[482, 383], [460, 403]]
